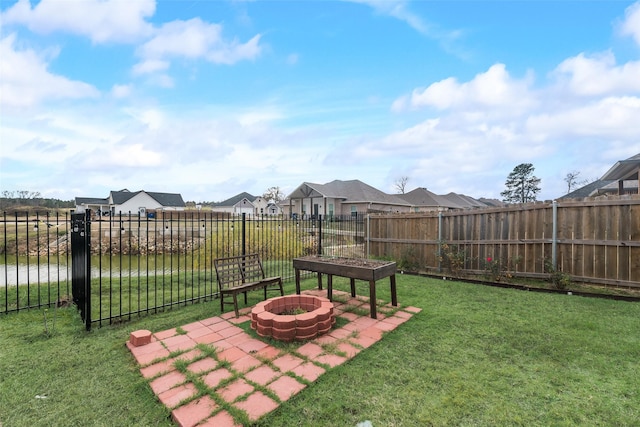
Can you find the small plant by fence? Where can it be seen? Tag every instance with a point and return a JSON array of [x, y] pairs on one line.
[[136, 264]]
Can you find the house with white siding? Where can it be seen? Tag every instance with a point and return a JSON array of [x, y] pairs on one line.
[[340, 198], [247, 204], [125, 202]]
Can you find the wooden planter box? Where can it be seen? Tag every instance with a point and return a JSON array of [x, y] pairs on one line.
[[353, 268], [361, 269]]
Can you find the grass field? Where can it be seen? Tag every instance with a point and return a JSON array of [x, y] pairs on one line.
[[475, 355]]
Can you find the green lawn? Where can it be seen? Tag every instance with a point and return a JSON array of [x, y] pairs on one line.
[[474, 356]]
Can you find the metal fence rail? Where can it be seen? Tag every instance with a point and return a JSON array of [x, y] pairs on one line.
[[34, 252], [134, 264], [137, 264]]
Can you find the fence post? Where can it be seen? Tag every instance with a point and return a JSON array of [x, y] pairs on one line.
[[81, 264], [554, 237], [320, 235], [244, 234], [439, 242], [368, 253]]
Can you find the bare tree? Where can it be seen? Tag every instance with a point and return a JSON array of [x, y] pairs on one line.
[[273, 194], [27, 194], [572, 181], [401, 184]]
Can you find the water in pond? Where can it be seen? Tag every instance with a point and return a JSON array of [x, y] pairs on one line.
[[25, 270]]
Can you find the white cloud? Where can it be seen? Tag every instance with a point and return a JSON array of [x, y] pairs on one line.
[[161, 80], [397, 9], [154, 119], [100, 20], [494, 88], [51, 141], [255, 117], [598, 75], [230, 53], [631, 23], [150, 66], [189, 39], [607, 119], [494, 121], [123, 156], [121, 91], [193, 39], [25, 80]]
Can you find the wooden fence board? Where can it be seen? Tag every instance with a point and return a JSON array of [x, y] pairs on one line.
[[597, 240]]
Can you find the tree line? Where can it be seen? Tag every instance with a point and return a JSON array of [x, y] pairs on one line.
[[521, 186], [32, 199]]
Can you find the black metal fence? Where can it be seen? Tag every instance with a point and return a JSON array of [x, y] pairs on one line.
[[119, 266], [35, 261]]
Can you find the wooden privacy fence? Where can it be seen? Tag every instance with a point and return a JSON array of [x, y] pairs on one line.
[[593, 241]]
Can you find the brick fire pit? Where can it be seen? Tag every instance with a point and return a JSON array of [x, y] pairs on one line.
[[271, 318]]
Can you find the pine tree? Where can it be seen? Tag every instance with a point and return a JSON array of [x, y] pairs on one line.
[[522, 185]]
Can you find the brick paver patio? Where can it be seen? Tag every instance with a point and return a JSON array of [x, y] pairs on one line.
[[213, 373]]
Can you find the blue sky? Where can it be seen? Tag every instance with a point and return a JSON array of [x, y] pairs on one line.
[[209, 98]]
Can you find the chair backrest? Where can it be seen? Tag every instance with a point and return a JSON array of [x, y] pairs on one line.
[[238, 270], [252, 268]]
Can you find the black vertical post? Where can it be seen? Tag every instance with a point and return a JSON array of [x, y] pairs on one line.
[[244, 234], [87, 251], [320, 235], [81, 264], [244, 246]]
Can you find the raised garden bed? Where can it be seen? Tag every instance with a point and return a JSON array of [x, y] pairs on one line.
[[352, 268]]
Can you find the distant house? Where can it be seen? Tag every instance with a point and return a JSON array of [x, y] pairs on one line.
[[125, 202], [423, 200], [265, 207], [247, 204], [622, 178], [340, 198], [236, 205]]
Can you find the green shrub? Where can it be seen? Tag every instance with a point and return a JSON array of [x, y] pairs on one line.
[[559, 279], [452, 258]]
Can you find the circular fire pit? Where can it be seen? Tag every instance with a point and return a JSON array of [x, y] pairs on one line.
[[275, 317]]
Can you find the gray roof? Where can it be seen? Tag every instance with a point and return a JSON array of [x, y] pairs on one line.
[[463, 201], [164, 199], [91, 201], [354, 191], [493, 203], [423, 197], [120, 197], [168, 199], [587, 190], [624, 169], [232, 201]]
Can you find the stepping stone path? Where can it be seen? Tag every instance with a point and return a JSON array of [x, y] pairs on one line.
[[213, 373]]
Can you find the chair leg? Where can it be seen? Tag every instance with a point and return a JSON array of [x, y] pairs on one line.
[[235, 304], [221, 303]]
